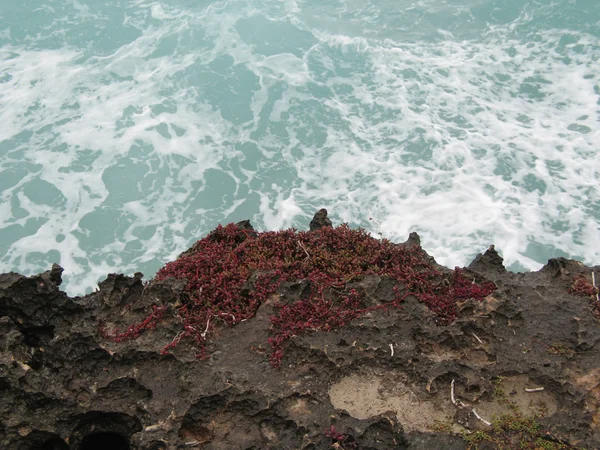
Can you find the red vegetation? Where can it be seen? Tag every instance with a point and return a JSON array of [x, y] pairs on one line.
[[582, 287], [340, 438], [233, 271]]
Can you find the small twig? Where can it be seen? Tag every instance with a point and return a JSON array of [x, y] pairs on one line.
[[481, 418], [596, 287], [303, 248], [203, 334], [476, 337], [463, 405], [538, 389], [452, 393], [231, 316], [177, 338], [141, 295], [392, 349]]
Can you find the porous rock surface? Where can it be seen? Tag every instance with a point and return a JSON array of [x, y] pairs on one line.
[[383, 382]]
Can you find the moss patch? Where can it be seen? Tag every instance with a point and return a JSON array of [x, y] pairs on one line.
[[514, 432]]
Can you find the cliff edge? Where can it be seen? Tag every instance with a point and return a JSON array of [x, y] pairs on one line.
[[411, 356]]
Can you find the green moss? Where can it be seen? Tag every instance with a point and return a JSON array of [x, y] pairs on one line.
[[514, 432], [559, 349], [498, 389], [441, 427]]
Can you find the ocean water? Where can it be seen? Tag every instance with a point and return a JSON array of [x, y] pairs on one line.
[[129, 129]]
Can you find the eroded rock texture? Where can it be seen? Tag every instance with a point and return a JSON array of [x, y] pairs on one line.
[[383, 382]]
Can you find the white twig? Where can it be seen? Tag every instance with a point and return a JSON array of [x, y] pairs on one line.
[[452, 393], [177, 337], [141, 295], [481, 418], [303, 248], [203, 334], [538, 389], [392, 349], [476, 337], [596, 287], [462, 405]]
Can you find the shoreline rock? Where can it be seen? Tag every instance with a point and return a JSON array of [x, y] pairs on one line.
[[384, 381]]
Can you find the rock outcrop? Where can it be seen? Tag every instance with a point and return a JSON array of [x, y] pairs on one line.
[[391, 379], [320, 220]]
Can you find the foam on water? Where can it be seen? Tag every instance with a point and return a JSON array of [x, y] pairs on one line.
[[130, 131]]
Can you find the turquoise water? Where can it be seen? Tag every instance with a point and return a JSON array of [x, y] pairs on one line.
[[129, 129]]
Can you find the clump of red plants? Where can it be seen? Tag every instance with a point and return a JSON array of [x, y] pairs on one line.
[[232, 271], [342, 440], [582, 287]]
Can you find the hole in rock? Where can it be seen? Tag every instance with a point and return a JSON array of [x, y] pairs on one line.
[[37, 336], [55, 444], [104, 430], [104, 441]]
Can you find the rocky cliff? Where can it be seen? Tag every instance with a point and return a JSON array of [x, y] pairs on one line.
[[518, 368]]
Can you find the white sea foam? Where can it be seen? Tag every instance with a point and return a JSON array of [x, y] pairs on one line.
[[122, 155]]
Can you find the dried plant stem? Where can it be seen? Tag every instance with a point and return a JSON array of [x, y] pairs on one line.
[[176, 339], [481, 418], [463, 405], [305, 251], [203, 334], [452, 393], [141, 295]]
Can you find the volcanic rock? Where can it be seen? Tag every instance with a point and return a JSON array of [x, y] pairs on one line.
[[529, 350], [320, 220]]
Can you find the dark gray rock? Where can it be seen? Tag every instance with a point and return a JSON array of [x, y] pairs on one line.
[[320, 220], [382, 382]]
